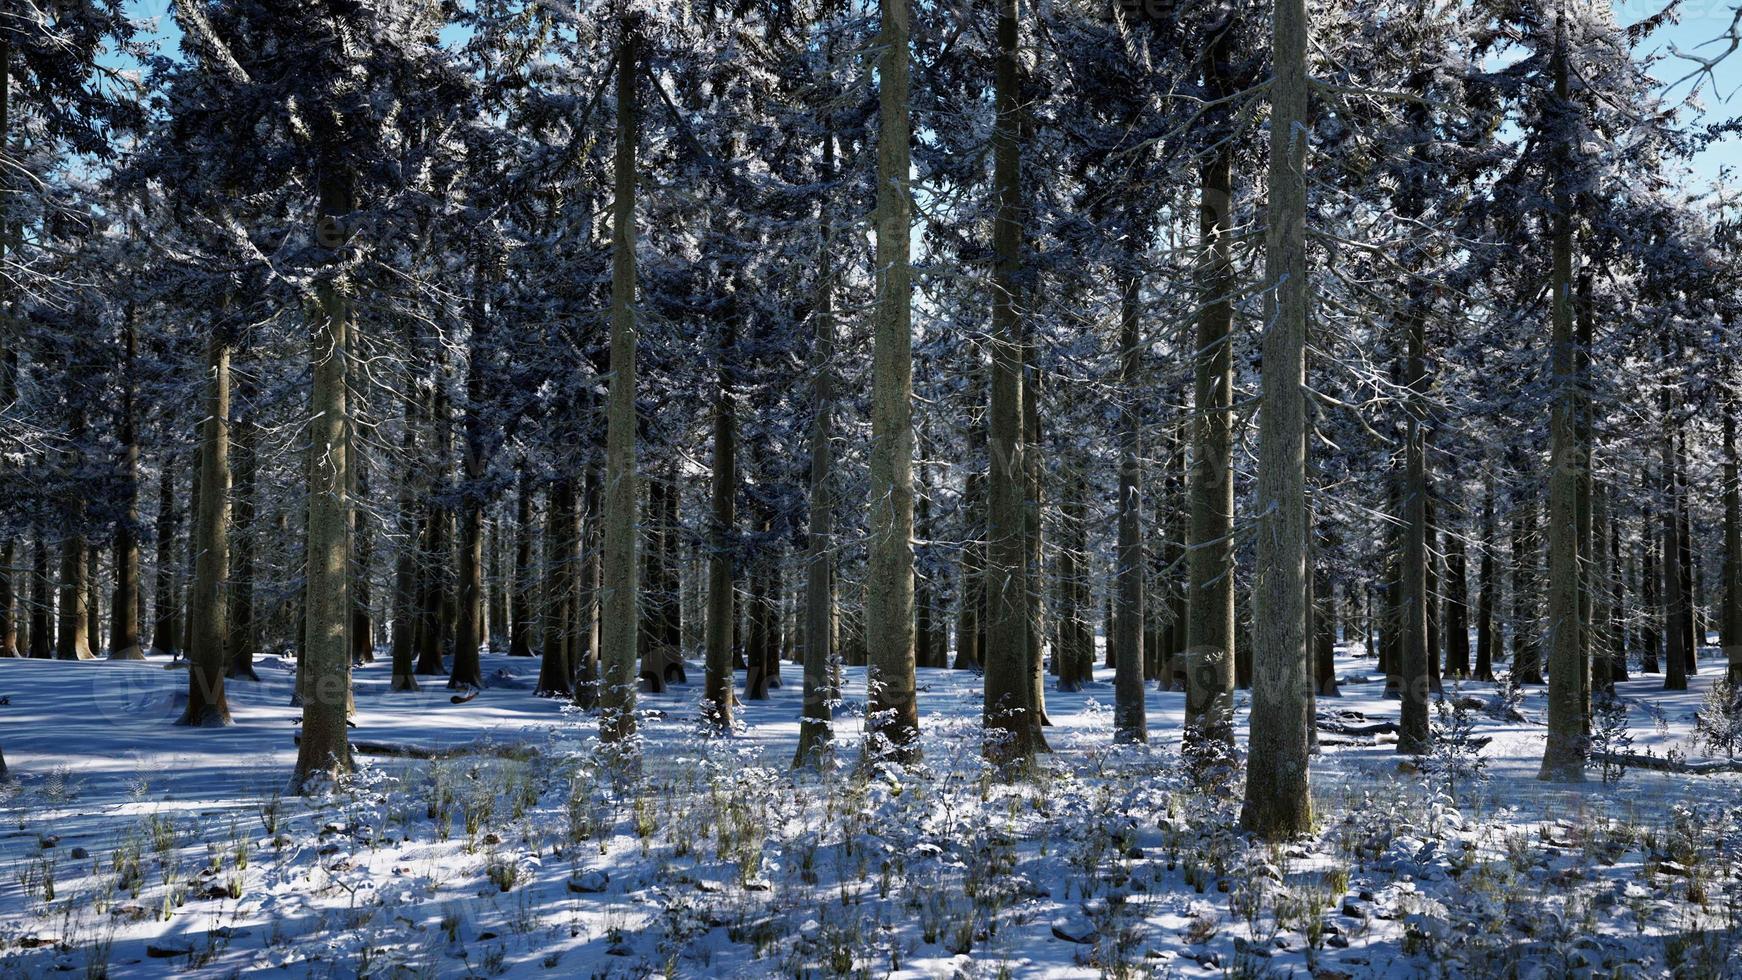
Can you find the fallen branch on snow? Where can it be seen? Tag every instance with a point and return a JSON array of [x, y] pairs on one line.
[[500, 750], [1658, 763]]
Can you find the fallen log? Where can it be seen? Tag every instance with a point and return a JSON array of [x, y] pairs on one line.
[[1658, 763], [501, 750]]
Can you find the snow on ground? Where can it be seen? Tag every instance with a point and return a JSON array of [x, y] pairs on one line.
[[134, 847]]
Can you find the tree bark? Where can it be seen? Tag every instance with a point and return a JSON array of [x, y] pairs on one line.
[[1210, 635], [1731, 620], [1278, 801], [816, 723], [1129, 721], [208, 655], [718, 682], [1486, 585], [556, 669], [243, 634], [620, 605], [1563, 757], [892, 712], [1013, 734], [324, 754], [520, 596]]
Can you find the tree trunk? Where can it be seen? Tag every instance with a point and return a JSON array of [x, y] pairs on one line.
[[1210, 637], [815, 730], [1675, 604], [1486, 586], [240, 659], [407, 574], [324, 754], [208, 656], [1563, 757], [468, 668], [74, 634], [1731, 620], [1012, 725], [124, 639], [556, 669], [1416, 673], [42, 644], [620, 605], [718, 682], [892, 711], [520, 598], [1456, 608], [1526, 650], [362, 561], [1129, 721], [1278, 800], [585, 628]]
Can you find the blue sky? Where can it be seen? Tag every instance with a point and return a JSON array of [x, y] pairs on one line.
[[1700, 22]]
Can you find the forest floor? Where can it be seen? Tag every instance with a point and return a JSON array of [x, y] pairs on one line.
[[130, 847]]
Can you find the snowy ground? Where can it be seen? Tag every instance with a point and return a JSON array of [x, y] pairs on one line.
[[135, 847]]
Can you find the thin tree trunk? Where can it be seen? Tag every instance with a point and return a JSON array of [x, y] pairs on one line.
[[1129, 722], [407, 574], [42, 644], [1416, 673], [520, 596], [1456, 608], [816, 724], [1731, 619], [124, 638], [718, 683], [1675, 606], [620, 603], [556, 671], [242, 630], [1486, 585], [586, 627], [362, 562]]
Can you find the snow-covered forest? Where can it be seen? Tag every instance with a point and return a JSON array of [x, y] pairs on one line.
[[1238, 488]]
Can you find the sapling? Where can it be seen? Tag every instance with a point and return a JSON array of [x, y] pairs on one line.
[[1610, 738]]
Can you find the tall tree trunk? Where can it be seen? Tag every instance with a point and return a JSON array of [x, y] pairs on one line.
[[1416, 675], [1652, 612], [1563, 757], [1013, 734], [1129, 721], [42, 644], [718, 684], [620, 605], [164, 618], [468, 668], [208, 657], [73, 639], [1210, 636], [815, 730], [1526, 640], [1675, 605], [1486, 585], [407, 574], [1456, 608], [556, 670], [892, 712], [1598, 580], [1278, 799], [1076, 637], [243, 634], [520, 597], [124, 636], [362, 562], [1731, 620], [586, 627], [324, 754]]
